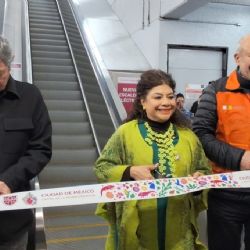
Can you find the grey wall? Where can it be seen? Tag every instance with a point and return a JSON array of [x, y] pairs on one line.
[[15, 30]]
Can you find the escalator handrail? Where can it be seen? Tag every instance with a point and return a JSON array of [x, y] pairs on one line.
[[2, 11], [26, 38], [39, 239], [80, 81]]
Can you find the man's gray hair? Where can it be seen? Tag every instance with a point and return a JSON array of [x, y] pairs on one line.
[[242, 43], [6, 55]]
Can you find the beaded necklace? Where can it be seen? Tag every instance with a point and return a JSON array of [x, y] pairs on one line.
[[166, 150]]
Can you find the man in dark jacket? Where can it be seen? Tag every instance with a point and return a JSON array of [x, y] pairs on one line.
[[180, 100], [222, 123], [25, 147]]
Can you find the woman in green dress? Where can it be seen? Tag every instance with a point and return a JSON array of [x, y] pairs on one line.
[[154, 142]]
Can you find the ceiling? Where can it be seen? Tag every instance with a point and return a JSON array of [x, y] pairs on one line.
[[232, 2], [188, 6]]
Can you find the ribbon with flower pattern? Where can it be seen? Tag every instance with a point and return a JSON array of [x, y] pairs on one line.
[[122, 191]]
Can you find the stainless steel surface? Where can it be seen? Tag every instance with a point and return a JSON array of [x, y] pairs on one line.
[[74, 150], [27, 64], [109, 91], [2, 7], [39, 235], [80, 82]]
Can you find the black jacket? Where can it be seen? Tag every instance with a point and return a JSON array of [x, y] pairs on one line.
[[25, 147], [194, 107], [205, 124]]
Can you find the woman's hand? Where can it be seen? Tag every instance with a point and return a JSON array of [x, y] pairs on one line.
[[4, 189], [197, 174], [245, 161], [142, 172]]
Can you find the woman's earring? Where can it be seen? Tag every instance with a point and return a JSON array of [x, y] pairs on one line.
[[144, 112]]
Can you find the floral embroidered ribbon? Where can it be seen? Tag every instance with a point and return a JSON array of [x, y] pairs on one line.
[[122, 191]]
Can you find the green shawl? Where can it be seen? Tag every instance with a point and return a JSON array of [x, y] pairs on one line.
[[154, 224]]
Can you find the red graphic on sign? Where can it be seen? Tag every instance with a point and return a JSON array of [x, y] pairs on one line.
[[16, 66], [127, 94], [30, 199], [10, 200]]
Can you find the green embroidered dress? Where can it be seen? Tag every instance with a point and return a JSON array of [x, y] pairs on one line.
[[154, 224]]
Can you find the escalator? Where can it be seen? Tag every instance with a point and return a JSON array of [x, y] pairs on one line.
[[81, 121]]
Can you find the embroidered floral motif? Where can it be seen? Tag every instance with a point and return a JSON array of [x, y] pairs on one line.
[[166, 150]]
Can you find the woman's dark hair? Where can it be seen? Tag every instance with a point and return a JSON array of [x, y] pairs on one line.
[[148, 80]]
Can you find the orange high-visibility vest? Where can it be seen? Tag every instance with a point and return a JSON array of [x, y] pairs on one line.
[[233, 109]]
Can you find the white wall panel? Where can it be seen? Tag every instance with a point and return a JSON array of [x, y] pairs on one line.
[[213, 25], [112, 39], [196, 67]]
